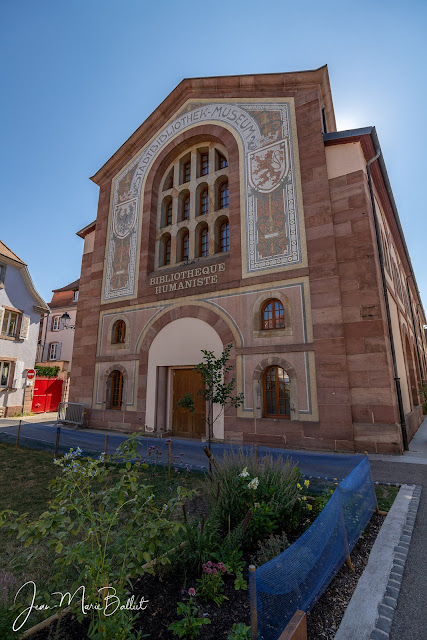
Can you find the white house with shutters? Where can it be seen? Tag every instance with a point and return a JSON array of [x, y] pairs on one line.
[[21, 308]]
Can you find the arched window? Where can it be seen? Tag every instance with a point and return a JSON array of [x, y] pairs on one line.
[[223, 195], [168, 213], [185, 245], [119, 332], [276, 393], [204, 242], [224, 236], [191, 190], [165, 250], [185, 213], [272, 315], [204, 202], [116, 394], [204, 163]]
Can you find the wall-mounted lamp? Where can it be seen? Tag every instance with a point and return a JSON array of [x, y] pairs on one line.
[[65, 321]]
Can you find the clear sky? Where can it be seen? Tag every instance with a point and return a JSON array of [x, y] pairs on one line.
[[78, 77]]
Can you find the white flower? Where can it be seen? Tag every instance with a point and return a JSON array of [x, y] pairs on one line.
[[244, 473], [253, 484]]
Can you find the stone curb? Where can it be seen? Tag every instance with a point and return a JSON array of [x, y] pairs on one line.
[[370, 612], [387, 606]]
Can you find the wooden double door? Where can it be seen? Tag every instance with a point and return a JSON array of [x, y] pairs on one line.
[[185, 423]]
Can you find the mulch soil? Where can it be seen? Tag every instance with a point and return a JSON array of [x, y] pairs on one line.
[[162, 596]]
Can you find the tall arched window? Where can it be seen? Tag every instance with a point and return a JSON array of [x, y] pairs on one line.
[[116, 394], [165, 250], [168, 213], [185, 215], [204, 242], [185, 245], [204, 202], [193, 189], [223, 195], [119, 332], [276, 393], [272, 315], [224, 236]]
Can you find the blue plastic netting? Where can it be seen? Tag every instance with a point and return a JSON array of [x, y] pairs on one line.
[[297, 577]]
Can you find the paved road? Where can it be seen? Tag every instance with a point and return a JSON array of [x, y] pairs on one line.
[[185, 452]]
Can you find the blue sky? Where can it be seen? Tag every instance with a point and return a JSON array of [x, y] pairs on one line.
[[77, 78]]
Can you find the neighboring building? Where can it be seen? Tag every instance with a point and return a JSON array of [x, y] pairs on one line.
[[237, 214], [56, 339], [20, 311]]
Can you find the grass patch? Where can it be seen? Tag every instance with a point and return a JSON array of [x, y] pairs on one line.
[[24, 481], [386, 495]]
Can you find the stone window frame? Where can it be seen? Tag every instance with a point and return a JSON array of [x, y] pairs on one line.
[[258, 331], [119, 345], [258, 387], [264, 398], [195, 187], [107, 390]]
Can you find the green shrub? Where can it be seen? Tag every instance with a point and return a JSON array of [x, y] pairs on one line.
[[266, 489], [270, 548], [239, 631], [101, 527]]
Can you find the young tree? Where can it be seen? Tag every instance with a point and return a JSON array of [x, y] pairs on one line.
[[216, 390]]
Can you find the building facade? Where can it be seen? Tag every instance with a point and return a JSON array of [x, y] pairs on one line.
[[20, 310], [236, 214], [56, 339]]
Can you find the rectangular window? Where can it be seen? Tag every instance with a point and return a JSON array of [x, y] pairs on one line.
[[4, 373], [53, 351], [2, 274], [56, 323], [10, 323], [76, 296]]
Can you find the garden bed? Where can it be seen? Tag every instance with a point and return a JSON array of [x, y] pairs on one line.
[[173, 585]]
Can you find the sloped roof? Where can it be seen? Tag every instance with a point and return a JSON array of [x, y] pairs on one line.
[[73, 286], [8, 253]]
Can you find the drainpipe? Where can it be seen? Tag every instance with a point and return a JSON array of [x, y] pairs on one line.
[[387, 307], [413, 327]]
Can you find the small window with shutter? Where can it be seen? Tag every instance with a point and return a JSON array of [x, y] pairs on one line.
[[4, 373], [2, 274]]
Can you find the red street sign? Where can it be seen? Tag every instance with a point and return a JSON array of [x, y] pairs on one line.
[[31, 374]]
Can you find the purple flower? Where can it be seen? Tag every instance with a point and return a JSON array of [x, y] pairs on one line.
[[176, 470], [214, 571], [199, 526], [209, 563], [191, 592]]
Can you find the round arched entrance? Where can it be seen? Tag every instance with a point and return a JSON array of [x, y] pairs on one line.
[[172, 355]]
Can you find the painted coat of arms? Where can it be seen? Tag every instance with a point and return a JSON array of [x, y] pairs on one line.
[[124, 218], [268, 166]]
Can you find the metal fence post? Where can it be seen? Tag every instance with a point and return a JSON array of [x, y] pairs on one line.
[[17, 435], [58, 432], [253, 603]]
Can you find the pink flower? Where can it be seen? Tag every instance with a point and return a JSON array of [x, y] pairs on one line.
[[209, 563], [214, 571], [191, 592]]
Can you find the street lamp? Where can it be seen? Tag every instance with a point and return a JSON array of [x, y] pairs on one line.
[[65, 321]]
